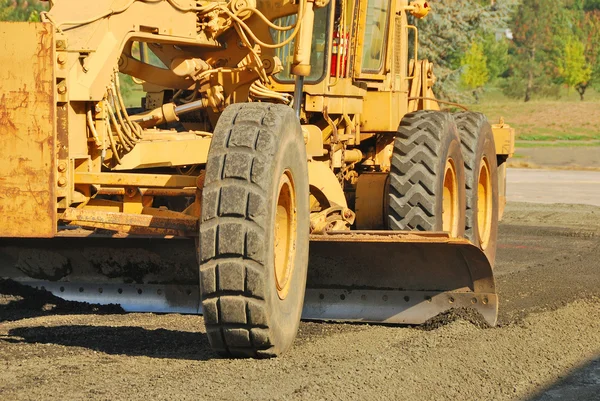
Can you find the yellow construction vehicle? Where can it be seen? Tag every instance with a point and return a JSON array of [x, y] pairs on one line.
[[267, 128]]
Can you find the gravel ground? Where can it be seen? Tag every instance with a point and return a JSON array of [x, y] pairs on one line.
[[546, 347]]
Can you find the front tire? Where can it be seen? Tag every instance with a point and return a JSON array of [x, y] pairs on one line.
[[427, 178], [254, 230]]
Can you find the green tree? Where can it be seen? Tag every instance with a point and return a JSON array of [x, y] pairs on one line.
[[445, 35], [496, 52], [573, 68], [536, 26], [475, 71], [591, 5], [591, 38], [21, 10]]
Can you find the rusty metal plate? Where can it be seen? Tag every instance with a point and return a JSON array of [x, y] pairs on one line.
[[27, 130]]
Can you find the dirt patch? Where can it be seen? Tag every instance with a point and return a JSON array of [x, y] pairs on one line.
[[314, 331], [125, 357], [547, 346], [453, 315], [582, 220], [547, 257]]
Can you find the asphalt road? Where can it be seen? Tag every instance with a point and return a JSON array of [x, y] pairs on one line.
[[553, 186]]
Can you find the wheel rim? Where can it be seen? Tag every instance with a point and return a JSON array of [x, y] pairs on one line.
[[285, 234], [450, 210], [484, 203]]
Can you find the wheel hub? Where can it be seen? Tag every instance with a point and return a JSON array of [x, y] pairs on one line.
[[285, 234], [450, 210], [484, 203]]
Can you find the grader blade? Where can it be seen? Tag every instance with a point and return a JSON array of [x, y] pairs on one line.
[[396, 277], [139, 274], [378, 277]]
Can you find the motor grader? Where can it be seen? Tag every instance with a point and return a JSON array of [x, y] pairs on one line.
[[289, 159]]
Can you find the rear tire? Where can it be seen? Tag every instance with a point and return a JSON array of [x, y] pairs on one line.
[[427, 178], [481, 173], [253, 245]]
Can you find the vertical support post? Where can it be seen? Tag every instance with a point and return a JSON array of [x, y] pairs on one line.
[[303, 45], [302, 52], [298, 89]]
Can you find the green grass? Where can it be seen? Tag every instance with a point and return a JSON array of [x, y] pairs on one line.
[[564, 119]]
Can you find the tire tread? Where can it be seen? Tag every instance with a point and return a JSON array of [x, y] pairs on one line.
[[232, 277], [413, 171], [468, 124]]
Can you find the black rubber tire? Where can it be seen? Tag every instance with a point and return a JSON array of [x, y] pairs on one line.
[[477, 142], [425, 141], [252, 146]]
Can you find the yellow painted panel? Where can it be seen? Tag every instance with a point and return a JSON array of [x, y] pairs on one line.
[[504, 138], [187, 150], [27, 130], [383, 111]]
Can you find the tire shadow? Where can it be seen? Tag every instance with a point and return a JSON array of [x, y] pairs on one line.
[[124, 340], [20, 302]]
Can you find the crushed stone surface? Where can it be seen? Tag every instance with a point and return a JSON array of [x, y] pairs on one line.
[[546, 346]]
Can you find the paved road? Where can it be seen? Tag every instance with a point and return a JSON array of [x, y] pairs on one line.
[[553, 186]]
